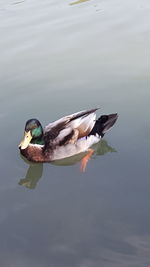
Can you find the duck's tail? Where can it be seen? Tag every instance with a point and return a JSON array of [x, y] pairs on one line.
[[103, 124]]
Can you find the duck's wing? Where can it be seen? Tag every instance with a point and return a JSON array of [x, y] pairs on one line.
[[71, 127]]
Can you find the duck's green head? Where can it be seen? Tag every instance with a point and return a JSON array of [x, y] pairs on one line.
[[33, 133]]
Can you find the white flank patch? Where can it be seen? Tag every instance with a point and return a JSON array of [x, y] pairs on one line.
[[82, 145]]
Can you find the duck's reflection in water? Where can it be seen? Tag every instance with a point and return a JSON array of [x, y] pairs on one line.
[[35, 170], [33, 175]]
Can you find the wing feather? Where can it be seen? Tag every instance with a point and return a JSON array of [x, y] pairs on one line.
[[81, 122]]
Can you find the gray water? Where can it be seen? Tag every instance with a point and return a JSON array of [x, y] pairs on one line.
[[56, 58]]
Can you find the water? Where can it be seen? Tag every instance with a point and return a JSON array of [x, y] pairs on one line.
[[59, 57]]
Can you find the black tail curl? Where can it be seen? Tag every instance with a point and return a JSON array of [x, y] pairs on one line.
[[103, 124]]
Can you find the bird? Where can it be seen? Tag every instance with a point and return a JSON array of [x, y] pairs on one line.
[[65, 137]]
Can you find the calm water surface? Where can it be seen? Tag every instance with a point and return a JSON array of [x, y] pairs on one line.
[[58, 57]]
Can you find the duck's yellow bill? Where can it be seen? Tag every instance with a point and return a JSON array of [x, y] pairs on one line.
[[26, 140]]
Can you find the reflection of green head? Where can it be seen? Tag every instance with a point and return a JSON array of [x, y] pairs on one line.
[[33, 175]]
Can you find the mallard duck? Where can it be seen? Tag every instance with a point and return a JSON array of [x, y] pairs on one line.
[[65, 137]]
